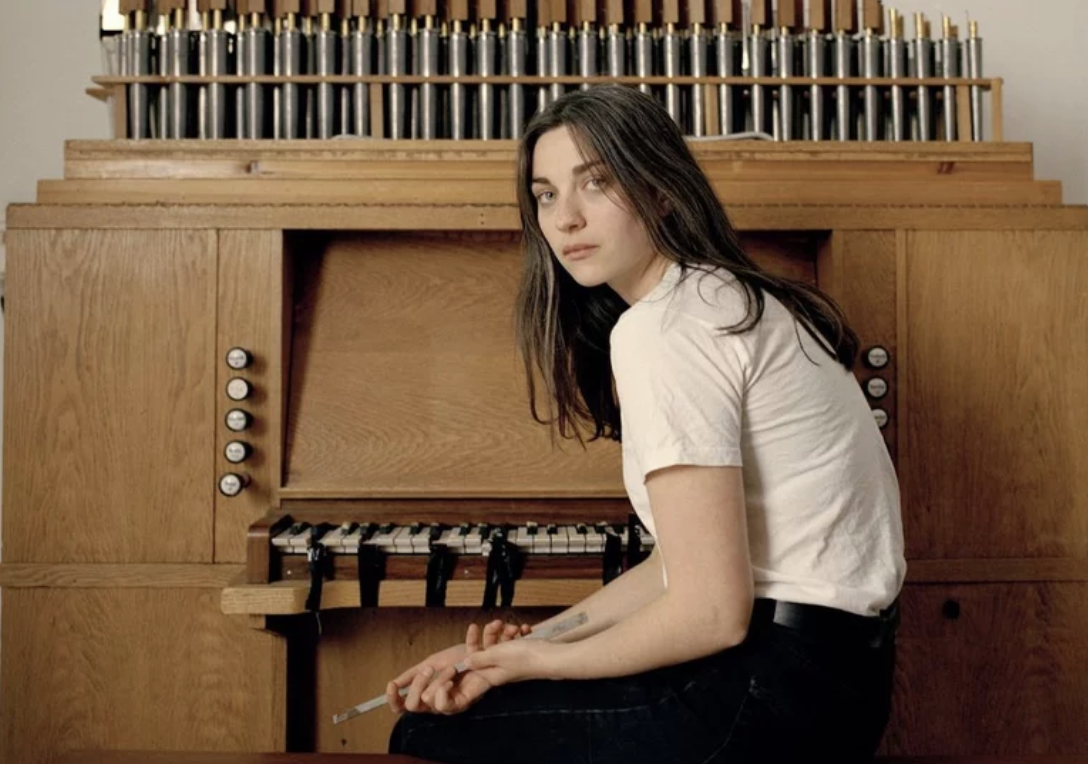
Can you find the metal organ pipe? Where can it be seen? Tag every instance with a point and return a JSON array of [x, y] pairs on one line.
[[476, 42]]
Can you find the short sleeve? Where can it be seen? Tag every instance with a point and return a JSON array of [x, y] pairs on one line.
[[680, 383]]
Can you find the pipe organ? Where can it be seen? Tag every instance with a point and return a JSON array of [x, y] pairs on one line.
[[320, 69], [266, 440]]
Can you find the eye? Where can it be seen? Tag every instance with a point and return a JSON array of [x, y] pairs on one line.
[[596, 182], [544, 197]]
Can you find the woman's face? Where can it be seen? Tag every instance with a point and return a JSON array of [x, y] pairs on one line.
[[592, 234]]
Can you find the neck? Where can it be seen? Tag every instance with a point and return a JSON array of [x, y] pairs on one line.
[[641, 282]]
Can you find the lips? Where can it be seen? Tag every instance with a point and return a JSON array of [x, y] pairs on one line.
[[578, 251]]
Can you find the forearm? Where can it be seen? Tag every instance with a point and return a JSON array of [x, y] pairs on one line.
[[611, 604], [662, 633]]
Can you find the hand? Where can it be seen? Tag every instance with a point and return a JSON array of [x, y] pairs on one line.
[[494, 633], [450, 693], [419, 678]]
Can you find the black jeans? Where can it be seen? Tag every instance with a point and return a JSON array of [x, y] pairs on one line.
[[779, 697]]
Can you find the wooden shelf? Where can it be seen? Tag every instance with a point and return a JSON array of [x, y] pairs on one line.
[[463, 218], [289, 597], [48, 575], [534, 79]]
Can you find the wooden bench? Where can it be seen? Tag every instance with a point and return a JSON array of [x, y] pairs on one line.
[[195, 757]]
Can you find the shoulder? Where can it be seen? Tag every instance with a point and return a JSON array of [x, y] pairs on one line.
[[692, 308]]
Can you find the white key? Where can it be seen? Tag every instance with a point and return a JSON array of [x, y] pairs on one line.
[[542, 543], [473, 541], [523, 540], [576, 540], [444, 538], [298, 541], [383, 541], [457, 538], [283, 539], [421, 541], [402, 540], [560, 542], [334, 539], [594, 541], [349, 544]]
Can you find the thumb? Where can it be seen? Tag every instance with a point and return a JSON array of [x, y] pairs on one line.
[[478, 660]]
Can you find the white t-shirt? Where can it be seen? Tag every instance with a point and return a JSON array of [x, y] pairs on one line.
[[824, 524]]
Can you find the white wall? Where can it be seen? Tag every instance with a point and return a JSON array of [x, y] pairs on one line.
[[1039, 50], [49, 50]]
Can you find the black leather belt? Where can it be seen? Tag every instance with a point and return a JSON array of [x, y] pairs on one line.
[[829, 625]]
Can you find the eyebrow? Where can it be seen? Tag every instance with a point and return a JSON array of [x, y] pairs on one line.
[[577, 170]]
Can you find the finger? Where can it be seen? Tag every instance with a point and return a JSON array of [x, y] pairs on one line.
[[444, 676], [393, 698], [419, 684], [469, 690], [472, 639], [492, 632], [526, 630], [443, 701], [406, 678], [478, 660], [510, 632]]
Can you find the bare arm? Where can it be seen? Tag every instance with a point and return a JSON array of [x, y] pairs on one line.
[[702, 535], [609, 605], [605, 608]]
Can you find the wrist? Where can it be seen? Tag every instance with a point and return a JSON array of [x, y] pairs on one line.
[[549, 661]]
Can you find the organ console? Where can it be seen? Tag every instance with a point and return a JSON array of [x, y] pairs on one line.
[[248, 380]]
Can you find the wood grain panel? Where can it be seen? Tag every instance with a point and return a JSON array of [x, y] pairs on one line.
[[362, 170], [134, 668], [289, 597], [1008, 674], [392, 640], [858, 270], [404, 375], [504, 150], [108, 390], [251, 316], [504, 217], [789, 255], [998, 429], [53, 576], [428, 192]]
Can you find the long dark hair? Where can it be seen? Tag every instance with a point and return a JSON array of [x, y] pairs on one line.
[[562, 327]]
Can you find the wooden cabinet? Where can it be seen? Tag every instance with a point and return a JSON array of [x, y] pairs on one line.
[[376, 308], [109, 371], [999, 669]]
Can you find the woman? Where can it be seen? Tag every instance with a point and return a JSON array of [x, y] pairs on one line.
[[761, 628]]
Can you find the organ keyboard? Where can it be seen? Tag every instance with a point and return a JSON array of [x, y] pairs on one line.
[[372, 542], [465, 538]]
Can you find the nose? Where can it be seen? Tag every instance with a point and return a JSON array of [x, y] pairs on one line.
[[568, 215]]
